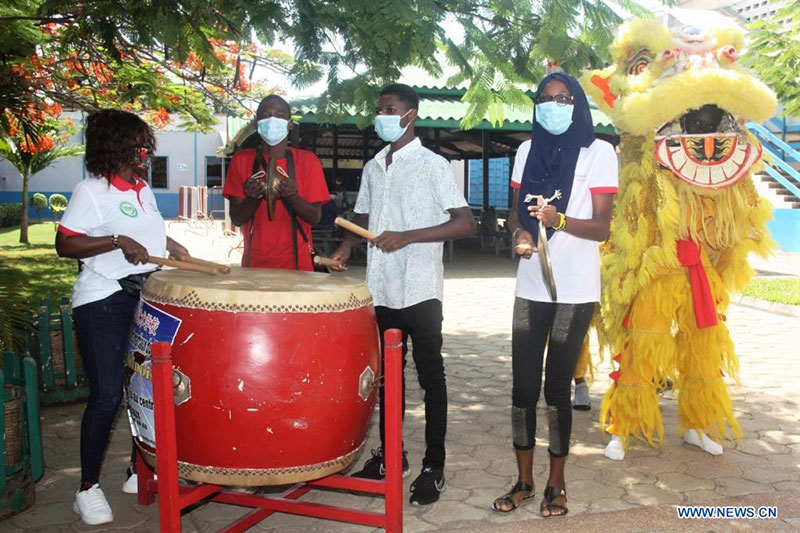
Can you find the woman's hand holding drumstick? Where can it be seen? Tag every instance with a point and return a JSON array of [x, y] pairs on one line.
[[183, 265]]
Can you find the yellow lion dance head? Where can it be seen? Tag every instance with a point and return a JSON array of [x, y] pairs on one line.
[[681, 102]]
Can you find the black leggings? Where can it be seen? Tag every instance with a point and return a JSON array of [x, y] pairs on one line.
[[566, 326]]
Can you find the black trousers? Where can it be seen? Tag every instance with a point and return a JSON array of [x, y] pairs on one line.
[[423, 323], [565, 326]]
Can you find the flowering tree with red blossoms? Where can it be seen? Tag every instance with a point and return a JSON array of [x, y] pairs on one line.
[[36, 147]]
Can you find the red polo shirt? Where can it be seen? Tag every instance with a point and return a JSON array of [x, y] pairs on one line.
[[271, 245]]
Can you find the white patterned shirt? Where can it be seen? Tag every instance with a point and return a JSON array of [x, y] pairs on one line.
[[415, 192]]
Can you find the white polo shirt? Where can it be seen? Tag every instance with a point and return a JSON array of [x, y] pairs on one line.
[[100, 208], [415, 192], [576, 261]]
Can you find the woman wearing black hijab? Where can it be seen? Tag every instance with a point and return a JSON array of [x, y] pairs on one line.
[[562, 156]]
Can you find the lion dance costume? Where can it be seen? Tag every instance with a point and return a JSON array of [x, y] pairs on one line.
[[686, 218]]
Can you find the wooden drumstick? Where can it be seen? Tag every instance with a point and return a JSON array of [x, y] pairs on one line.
[[326, 261], [355, 228], [225, 269], [183, 265]]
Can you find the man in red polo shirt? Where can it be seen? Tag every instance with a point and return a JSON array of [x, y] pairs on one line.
[[271, 243]]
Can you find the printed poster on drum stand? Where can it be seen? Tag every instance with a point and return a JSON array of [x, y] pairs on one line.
[[150, 325]]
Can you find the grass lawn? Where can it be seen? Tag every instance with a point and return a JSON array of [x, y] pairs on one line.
[[781, 290], [35, 266]]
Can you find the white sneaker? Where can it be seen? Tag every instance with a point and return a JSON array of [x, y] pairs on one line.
[[131, 485], [615, 450], [700, 439], [92, 506]]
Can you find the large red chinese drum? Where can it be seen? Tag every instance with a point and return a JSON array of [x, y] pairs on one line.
[[274, 372]]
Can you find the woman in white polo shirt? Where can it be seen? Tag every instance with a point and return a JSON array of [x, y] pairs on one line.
[[563, 155], [111, 225]]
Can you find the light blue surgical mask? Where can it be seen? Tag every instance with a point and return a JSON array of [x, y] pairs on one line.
[[273, 130], [388, 127], [554, 117]]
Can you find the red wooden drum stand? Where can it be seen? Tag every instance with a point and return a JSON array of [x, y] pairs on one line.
[[173, 497]]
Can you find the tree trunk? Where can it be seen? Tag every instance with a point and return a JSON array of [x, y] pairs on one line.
[[23, 222]]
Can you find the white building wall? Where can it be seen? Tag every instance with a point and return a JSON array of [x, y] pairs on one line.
[[186, 165]]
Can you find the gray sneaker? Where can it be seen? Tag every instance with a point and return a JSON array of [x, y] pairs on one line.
[[581, 400]]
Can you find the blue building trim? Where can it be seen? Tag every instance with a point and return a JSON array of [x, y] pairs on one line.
[[785, 229], [167, 203]]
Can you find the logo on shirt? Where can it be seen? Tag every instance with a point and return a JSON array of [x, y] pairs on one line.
[[128, 209]]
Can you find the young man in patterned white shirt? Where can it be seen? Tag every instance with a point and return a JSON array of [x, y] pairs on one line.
[[409, 198]]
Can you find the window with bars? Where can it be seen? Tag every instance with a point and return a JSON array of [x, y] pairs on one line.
[[159, 175]]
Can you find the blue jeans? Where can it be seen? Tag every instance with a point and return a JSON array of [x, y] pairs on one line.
[[102, 329]]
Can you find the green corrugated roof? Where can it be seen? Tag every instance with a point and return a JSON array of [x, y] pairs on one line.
[[446, 111]]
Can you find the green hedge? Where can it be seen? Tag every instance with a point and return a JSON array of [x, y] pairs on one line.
[[10, 215]]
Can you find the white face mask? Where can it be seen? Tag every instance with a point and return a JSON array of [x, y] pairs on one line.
[[273, 130], [388, 127]]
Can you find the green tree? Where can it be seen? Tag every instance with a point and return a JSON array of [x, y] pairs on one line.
[[774, 52], [189, 56], [32, 154]]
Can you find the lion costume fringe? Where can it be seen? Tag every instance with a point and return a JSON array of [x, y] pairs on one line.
[[686, 217]]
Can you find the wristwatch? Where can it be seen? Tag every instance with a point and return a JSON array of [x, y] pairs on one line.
[[115, 240]]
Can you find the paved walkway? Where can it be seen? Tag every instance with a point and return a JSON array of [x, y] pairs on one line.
[[635, 495]]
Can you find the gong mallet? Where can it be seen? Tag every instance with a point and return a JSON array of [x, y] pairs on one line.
[[355, 228], [183, 265]]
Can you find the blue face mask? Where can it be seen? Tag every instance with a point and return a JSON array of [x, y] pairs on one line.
[[388, 127], [273, 130], [554, 117]]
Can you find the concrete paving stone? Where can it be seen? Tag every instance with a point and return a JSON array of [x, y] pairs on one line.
[[444, 512], [736, 486], [46, 514], [574, 472], [651, 495], [754, 446], [786, 461], [769, 475], [653, 465], [472, 479], [414, 523], [683, 482], [608, 504], [713, 467], [793, 523], [779, 437], [625, 477], [701, 497], [589, 490], [787, 486], [466, 461]]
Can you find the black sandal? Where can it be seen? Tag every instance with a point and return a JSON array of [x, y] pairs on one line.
[[508, 498], [550, 494]]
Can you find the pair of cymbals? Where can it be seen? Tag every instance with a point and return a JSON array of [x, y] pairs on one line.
[[271, 181]]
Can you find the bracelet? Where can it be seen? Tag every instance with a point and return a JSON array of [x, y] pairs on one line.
[[514, 234], [562, 222], [115, 240]]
